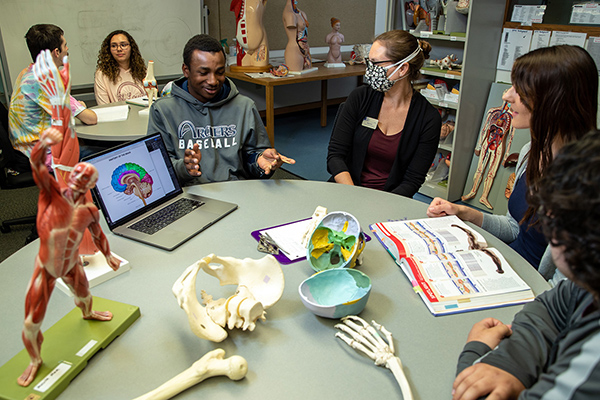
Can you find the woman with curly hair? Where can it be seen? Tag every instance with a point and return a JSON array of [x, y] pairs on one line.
[[120, 69]]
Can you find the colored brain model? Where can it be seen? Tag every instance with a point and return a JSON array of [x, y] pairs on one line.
[[131, 178]]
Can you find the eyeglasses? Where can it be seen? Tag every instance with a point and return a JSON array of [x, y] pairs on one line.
[[377, 62], [115, 46]]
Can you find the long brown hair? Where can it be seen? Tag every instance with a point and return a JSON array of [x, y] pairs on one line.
[[559, 86], [400, 44], [109, 66]]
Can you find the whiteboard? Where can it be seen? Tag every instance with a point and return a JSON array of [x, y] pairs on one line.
[[160, 28]]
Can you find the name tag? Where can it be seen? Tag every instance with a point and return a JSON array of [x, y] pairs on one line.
[[370, 123]]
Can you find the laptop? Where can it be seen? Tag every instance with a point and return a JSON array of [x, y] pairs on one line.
[[141, 199]]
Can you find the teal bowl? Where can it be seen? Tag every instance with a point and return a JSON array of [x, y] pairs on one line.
[[336, 293]]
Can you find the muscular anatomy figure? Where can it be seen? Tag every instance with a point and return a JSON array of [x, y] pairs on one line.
[[252, 45], [63, 216], [297, 51], [494, 141]]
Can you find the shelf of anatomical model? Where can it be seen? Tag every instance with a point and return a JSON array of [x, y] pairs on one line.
[[442, 73], [434, 189], [453, 37]]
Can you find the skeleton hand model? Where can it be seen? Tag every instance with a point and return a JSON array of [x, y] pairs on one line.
[[150, 83], [212, 364], [365, 338], [260, 285]]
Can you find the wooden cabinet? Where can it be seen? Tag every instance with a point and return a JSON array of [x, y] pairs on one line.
[[479, 51]]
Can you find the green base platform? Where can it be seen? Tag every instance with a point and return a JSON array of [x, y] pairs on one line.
[[67, 347]]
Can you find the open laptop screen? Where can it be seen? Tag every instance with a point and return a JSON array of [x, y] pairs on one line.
[[133, 177]]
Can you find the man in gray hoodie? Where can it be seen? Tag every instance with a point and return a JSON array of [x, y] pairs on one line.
[[552, 348], [212, 132]]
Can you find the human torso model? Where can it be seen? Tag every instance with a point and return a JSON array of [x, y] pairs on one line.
[[297, 51], [334, 39], [252, 45], [150, 84], [494, 142]]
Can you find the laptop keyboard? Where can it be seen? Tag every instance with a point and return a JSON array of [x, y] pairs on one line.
[[160, 219]]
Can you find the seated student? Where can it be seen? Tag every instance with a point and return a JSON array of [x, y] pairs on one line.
[[120, 69], [30, 111], [552, 348], [555, 95], [212, 132], [387, 133]]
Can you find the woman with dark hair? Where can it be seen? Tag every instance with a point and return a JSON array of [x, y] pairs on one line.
[[555, 95], [120, 69], [387, 133]]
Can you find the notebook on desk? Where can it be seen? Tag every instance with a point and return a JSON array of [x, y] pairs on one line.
[[141, 199]]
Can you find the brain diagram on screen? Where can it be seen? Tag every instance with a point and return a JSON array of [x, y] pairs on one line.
[[131, 178]]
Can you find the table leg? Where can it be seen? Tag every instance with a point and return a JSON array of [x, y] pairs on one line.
[[324, 102], [270, 104]]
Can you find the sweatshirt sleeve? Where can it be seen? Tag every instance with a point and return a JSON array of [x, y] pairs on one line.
[[535, 328], [256, 141], [100, 90]]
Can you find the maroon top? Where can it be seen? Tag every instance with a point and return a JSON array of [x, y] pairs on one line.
[[380, 157]]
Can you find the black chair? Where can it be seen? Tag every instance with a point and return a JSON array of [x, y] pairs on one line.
[[21, 175]]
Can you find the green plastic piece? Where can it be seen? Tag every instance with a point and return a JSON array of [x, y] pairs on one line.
[[62, 341]]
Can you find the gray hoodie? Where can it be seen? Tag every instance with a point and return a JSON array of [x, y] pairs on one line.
[[228, 129]]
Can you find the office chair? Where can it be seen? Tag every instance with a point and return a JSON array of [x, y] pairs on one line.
[[18, 162]]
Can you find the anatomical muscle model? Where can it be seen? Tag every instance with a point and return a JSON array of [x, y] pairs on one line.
[[252, 44], [64, 214], [494, 141], [260, 285]]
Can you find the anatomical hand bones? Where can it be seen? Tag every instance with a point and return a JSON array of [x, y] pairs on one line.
[[260, 285], [365, 338]]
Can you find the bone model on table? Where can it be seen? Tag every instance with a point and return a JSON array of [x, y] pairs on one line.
[[363, 337], [150, 83], [211, 364], [260, 286]]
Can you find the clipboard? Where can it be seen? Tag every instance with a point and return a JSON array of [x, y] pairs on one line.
[[282, 258]]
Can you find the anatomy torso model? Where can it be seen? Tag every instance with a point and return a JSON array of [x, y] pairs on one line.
[[334, 39], [252, 45], [150, 83], [494, 141], [297, 51]]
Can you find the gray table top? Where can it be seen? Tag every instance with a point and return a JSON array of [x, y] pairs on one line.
[[134, 127], [293, 354]]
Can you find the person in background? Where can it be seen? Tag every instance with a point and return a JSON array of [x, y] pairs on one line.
[[212, 132], [555, 95], [30, 111], [386, 135], [120, 69], [552, 348]]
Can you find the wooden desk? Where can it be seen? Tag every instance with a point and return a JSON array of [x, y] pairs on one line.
[[322, 74]]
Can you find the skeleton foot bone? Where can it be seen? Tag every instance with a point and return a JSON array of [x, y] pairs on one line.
[[211, 364], [260, 285], [363, 337]]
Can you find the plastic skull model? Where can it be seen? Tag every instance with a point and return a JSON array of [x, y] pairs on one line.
[[337, 242], [260, 285]]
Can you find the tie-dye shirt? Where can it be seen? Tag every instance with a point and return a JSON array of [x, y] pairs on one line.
[[30, 112]]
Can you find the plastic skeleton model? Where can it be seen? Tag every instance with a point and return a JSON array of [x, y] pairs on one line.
[[62, 218], [447, 62], [359, 54], [211, 364], [363, 337], [494, 139], [317, 216], [252, 45], [297, 50], [150, 84], [260, 285]]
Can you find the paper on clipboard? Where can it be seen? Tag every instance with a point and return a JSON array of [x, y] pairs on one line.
[[289, 238]]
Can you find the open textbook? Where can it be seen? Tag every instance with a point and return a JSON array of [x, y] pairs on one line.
[[450, 266]]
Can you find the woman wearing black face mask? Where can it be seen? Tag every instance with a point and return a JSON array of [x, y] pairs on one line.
[[387, 134]]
